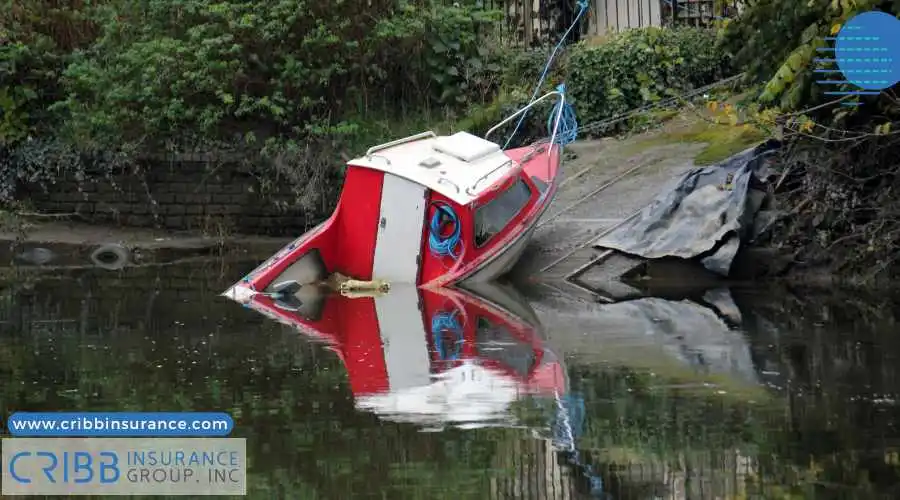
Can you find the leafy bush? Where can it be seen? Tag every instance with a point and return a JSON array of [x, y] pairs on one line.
[[641, 66], [35, 39], [839, 171], [776, 42], [276, 68], [481, 118], [520, 74], [267, 78], [524, 68], [622, 72]]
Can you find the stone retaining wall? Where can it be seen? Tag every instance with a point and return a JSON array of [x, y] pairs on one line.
[[179, 194]]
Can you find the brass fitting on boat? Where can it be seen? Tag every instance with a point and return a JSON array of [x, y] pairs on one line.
[[353, 288], [356, 288]]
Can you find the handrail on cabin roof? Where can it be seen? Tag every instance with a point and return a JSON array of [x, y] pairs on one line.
[[506, 120], [422, 135]]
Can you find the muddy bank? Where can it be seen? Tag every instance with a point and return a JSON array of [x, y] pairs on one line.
[[839, 218]]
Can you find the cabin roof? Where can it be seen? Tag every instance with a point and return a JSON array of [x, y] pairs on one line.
[[460, 166]]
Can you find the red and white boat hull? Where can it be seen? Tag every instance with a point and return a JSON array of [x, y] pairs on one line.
[[380, 230]]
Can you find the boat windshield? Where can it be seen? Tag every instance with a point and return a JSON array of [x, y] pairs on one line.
[[493, 216]]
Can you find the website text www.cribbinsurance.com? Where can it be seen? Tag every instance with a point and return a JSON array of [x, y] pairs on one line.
[[120, 453], [109, 424]]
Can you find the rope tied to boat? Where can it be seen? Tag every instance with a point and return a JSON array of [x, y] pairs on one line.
[[583, 6], [441, 323], [567, 131], [441, 244]]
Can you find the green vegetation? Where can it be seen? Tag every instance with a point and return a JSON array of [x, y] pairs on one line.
[[720, 137], [641, 67], [289, 86], [776, 42], [839, 171], [88, 85], [619, 73], [722, 141]]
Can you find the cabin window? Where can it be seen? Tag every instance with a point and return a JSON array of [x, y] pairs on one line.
[[539, 183], [493, 216]]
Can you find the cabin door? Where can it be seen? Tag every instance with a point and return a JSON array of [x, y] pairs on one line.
[[399, 240]]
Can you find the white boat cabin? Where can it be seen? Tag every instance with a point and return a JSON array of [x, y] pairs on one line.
[[460, 166]]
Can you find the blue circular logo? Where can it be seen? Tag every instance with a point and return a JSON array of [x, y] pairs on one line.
[[868, 50]]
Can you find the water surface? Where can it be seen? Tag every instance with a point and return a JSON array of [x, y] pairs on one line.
[[731, 394]]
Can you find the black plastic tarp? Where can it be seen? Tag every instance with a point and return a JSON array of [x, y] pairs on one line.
[[706, 215]]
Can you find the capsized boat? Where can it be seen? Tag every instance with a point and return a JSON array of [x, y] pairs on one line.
[[427, 210], [434, 357]]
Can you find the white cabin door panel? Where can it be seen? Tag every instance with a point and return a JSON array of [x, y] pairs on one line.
[[399, 239]]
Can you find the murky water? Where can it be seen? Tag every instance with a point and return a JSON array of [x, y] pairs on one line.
[[731, 394]]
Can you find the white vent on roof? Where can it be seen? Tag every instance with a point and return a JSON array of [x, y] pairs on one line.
[[465, 146]]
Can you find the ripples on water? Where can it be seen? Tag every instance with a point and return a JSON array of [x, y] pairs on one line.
[[732, 394]]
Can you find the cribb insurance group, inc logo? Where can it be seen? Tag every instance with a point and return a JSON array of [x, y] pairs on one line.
[[122, 454]]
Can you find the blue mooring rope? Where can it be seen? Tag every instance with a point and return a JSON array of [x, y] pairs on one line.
[[568, 123], [443, 246], [440, 323], [570, 132]]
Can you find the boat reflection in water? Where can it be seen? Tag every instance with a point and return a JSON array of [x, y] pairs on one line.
[[433, 357]]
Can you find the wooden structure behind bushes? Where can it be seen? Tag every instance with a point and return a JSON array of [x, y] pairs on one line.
[[534, 23], [610, 16]]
